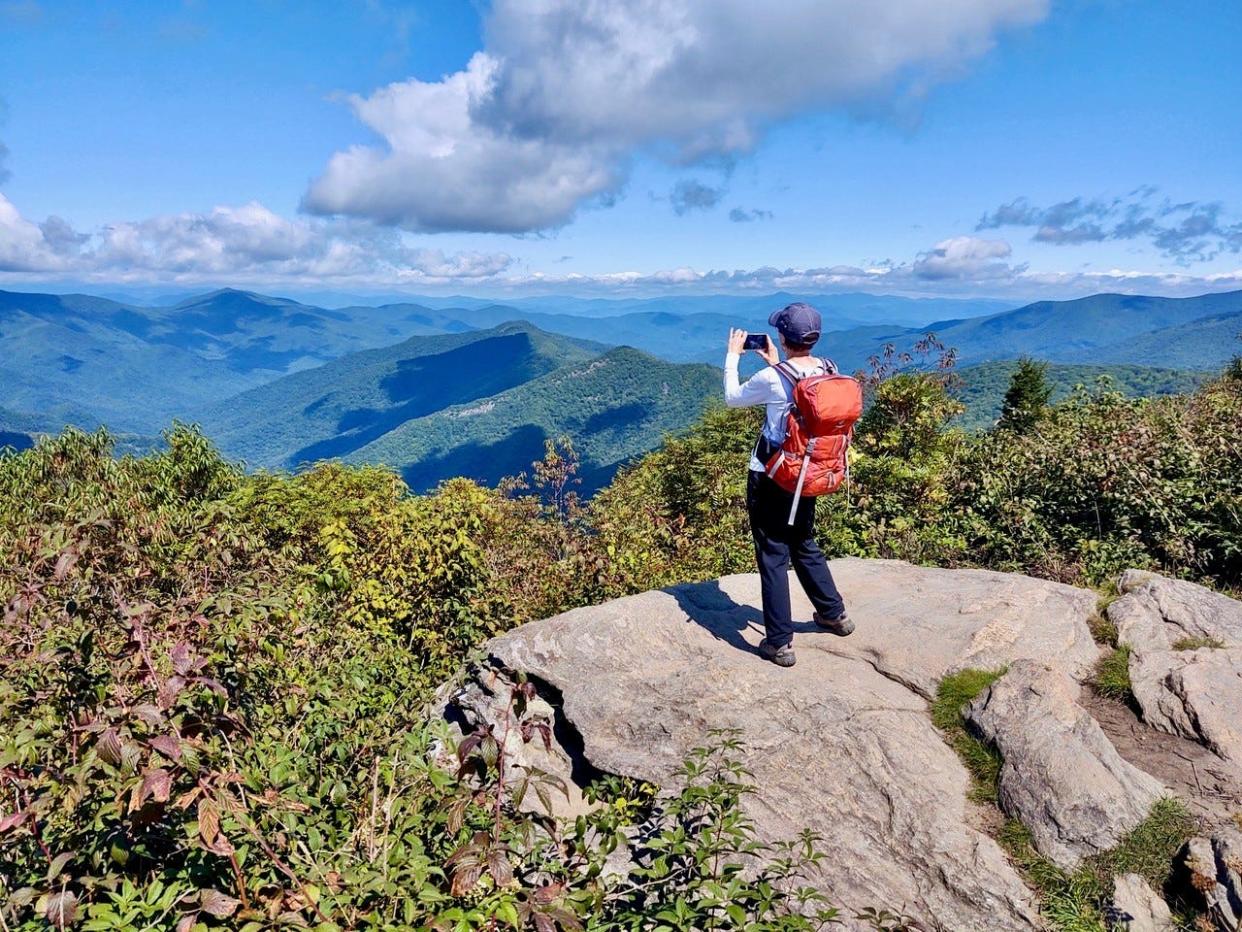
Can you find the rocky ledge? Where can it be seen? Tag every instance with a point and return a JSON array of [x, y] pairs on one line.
[[843, 742]]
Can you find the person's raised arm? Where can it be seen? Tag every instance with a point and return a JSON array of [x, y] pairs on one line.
[[755, 391]]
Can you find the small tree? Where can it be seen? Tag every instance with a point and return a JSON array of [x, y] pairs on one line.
[[1233, 371], [1027, 397]]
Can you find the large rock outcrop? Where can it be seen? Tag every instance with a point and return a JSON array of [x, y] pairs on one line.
[[1186, 659], [841, 744], [1061, 775]]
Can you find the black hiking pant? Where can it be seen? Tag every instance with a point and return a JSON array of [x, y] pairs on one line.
[[777, 543]]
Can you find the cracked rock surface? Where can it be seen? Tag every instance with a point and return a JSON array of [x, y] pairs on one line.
[[1185, 661], [841, 744], [1061, 775]]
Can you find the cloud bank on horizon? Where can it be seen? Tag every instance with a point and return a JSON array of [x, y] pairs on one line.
[[547, 121], [250, 245]]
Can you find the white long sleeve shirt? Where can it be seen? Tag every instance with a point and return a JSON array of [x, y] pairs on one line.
[[769, 388]]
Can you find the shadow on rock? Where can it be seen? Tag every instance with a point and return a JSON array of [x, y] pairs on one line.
[[709, 606]]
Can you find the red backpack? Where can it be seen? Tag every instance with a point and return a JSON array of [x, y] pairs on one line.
[[820, 424]]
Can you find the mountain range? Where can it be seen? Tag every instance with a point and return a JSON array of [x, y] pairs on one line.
[[472, 387]]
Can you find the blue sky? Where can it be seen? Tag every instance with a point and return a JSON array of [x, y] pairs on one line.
[[983, 147]]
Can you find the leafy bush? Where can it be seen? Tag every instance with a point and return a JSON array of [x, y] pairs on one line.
[[1103, 482], [212, 686]]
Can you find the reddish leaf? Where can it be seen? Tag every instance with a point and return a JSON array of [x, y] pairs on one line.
[[465, 879], [12, 820], [64, 564], [208, 820], [186, 922], [218, 904], [61, 909], [148, 713], [167, 745], [221, 846], [170, 691], [108, 747], [156, 784], [181, 660], [548, 893], [499, 867]]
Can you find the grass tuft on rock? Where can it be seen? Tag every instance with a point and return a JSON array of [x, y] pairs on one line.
[[1195, 643], [1103, 631], [1149, 849], [982, 761], [1112, 675], [955, 691]]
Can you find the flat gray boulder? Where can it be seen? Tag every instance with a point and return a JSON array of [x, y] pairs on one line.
[[841, 744], [917, 624], [1138, 908], [1155, 613], [1193, 693], [1061, 775]]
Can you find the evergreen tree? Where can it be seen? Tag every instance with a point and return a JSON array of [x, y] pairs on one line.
[[1027, 397]]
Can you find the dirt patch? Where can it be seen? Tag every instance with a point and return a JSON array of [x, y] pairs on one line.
[[1211, 788]]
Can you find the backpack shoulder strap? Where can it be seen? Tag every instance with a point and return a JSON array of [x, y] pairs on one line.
[[830, 367], [789, 371]]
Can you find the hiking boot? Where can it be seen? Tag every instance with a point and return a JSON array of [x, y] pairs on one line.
[[840, 626], [781, 656]]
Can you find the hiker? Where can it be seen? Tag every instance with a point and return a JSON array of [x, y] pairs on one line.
[[782, 516]]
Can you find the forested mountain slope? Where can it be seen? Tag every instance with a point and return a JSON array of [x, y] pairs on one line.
[[335, 409], [613, 407], [1075, 331], [982, 387]]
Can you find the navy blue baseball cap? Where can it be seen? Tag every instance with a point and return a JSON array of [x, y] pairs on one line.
[[798, 323]]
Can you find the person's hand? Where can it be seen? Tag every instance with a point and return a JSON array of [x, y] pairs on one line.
[[736, 339], [769, 353]]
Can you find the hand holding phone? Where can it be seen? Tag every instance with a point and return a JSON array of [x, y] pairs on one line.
[[756, 341]]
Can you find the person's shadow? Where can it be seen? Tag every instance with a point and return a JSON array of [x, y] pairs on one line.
[[710, 607]]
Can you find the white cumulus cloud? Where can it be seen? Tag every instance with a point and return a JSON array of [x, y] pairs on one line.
[[548, 116], [965, 257], [235, 243]]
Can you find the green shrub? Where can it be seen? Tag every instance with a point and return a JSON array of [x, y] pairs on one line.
[[1098, 484]]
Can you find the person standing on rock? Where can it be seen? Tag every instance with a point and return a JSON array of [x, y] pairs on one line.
[[781, 534]]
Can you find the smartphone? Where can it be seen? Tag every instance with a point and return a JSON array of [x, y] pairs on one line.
[[756, 341]]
